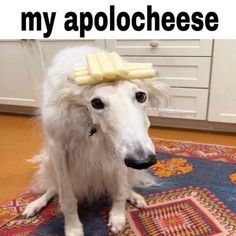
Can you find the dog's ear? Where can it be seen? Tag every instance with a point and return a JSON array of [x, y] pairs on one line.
[[71, 93], [158, 92]]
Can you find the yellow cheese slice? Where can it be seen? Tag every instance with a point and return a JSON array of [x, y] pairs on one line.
[[118, 64], [106, 66], [94, 67], [141, 74]]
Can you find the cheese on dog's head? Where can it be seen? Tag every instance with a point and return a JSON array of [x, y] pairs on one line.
[[107, 67]]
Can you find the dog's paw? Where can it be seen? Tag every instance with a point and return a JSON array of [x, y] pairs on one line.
[[137, 200], [74, 231], [116, 222], [29, 211], [33, 208], [73, 226]]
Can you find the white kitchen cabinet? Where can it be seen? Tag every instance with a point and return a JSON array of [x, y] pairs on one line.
[[222, 106], [189, 72], [184, 65], [16, 85], [185, 103], [156, 47]]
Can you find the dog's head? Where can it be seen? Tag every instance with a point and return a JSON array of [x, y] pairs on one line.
[[120, 111]]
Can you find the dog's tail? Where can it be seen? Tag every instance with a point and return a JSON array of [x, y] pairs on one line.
[[42, 178], [38, 157]]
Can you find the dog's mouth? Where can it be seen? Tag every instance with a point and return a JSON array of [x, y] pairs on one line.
[[140, 164]]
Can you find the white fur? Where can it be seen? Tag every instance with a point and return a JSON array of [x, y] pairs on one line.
[[75, 165]]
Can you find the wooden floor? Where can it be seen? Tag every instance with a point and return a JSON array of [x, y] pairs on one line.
[[21, 138]]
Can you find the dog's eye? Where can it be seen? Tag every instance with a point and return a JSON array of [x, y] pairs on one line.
[[140, 97], [97, 103]]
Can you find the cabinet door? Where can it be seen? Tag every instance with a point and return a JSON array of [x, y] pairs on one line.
[[16, 87], [156, 47], [50, 47], [222, 106], [184, 103]]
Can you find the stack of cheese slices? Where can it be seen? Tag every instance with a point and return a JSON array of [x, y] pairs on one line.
[[108, 67]]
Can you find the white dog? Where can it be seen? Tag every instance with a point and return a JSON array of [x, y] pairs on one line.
[[96, 139]]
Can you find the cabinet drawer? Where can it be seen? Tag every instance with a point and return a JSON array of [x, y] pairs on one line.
[[184, 103], [156, 47], [180, 71]]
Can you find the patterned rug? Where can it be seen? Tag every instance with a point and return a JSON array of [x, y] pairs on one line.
[[196, 196]]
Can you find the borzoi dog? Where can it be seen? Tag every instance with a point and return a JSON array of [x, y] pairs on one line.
[[96, 140]]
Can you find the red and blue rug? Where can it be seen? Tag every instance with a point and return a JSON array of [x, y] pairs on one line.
[[196, 196]]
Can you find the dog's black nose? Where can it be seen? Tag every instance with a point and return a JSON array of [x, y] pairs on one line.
[[140, 162]]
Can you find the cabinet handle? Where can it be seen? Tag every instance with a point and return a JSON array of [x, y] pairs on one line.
[[153, 43]]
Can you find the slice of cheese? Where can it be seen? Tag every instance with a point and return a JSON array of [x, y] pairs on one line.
[[106, 66], [118, 64], [94, 67], [81, 73], [85, 80], [141, 74], [80, 68]]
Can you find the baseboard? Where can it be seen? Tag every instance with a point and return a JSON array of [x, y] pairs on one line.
[[193, 124], [19, 110]]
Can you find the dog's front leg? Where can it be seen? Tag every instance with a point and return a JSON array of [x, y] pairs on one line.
[[117, 214], [67, 200]]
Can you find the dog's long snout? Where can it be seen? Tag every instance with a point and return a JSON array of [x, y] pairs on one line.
[[140, 163]]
